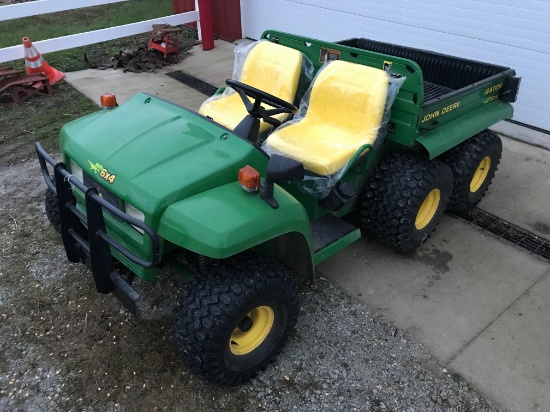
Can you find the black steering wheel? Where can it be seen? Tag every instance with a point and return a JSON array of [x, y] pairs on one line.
[[255, 109]]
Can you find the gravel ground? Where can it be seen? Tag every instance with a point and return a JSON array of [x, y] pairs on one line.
[[64, 347]]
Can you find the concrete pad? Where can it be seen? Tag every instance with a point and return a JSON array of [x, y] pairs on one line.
[[509, 361], [520, 192], [524, 134], [446, 292], [92, 83], [213, 66]]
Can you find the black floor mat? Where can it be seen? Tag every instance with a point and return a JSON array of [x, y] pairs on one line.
[[328, 229]]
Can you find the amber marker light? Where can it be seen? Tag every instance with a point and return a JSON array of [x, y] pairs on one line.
[[249, 178], [108, 101]]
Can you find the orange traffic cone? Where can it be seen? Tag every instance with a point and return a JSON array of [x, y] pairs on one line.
[[36, 64]]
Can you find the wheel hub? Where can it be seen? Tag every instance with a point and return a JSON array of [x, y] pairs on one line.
[[246, 324], [480, 174], [252, 330], [427, 209]]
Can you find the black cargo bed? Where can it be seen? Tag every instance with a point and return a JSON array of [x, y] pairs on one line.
[[433, 91], [443, 74]]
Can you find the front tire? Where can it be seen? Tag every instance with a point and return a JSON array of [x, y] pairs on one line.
[[52, 209], [232, 323], [405, 198], [474, 164]]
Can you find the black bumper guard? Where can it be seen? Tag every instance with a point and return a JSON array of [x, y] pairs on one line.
[[91, 246]]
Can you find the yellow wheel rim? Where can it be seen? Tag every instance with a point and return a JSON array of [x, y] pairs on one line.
[[480, 174], [427, 209], [252, 330]]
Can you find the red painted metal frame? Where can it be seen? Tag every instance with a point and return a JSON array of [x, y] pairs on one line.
[[207, 33], [226, 16]]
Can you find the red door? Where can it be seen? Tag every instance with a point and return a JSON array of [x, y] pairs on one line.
[[226, 16]]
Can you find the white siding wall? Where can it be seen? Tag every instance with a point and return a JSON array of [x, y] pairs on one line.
[[513, 33]]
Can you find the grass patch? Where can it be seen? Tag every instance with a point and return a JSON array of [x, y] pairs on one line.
[[38, 119], [64, 23]]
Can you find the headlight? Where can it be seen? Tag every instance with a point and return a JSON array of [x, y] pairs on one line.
[[76, 171], [136, 214]]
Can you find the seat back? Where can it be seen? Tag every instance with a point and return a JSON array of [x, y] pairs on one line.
[[274, 69], [343, 114], [350, 97]]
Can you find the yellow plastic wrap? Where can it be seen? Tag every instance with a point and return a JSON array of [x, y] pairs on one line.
[[344, 113], [346, 108]]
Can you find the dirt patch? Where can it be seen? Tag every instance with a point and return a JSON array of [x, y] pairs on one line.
[[65, 347], [63, 342], [436, 258], [133, 55], [542, 227]]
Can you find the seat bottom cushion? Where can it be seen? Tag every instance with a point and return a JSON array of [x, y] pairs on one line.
[[321, 148], [229, 111]]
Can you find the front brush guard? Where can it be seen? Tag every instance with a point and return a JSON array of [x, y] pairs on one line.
[[85, 237]]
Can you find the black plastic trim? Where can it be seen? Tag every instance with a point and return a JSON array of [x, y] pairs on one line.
[[510, 89], [461, 91], [529, 126], [442, 69]]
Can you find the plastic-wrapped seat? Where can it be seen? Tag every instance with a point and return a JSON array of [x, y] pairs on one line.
[[270, 67], [345, 110]]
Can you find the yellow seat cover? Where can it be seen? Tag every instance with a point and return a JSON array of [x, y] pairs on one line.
[[270, 67], [345, 111]]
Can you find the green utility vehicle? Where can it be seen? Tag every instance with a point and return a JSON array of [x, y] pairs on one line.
[[150, 183]]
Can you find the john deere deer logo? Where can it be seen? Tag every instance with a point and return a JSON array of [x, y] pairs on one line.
[[103, 173]]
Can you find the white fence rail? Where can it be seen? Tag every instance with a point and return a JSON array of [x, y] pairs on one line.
[[34, 8], [81, 39], [97, 36]]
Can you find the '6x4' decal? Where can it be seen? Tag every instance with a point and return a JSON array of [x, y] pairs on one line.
[[103, 172]]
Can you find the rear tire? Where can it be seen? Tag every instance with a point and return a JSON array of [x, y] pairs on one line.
[[231, 324], [52, 209], [405, 198], [474, 164]]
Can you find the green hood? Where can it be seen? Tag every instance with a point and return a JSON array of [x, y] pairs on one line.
[[159, 152]]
